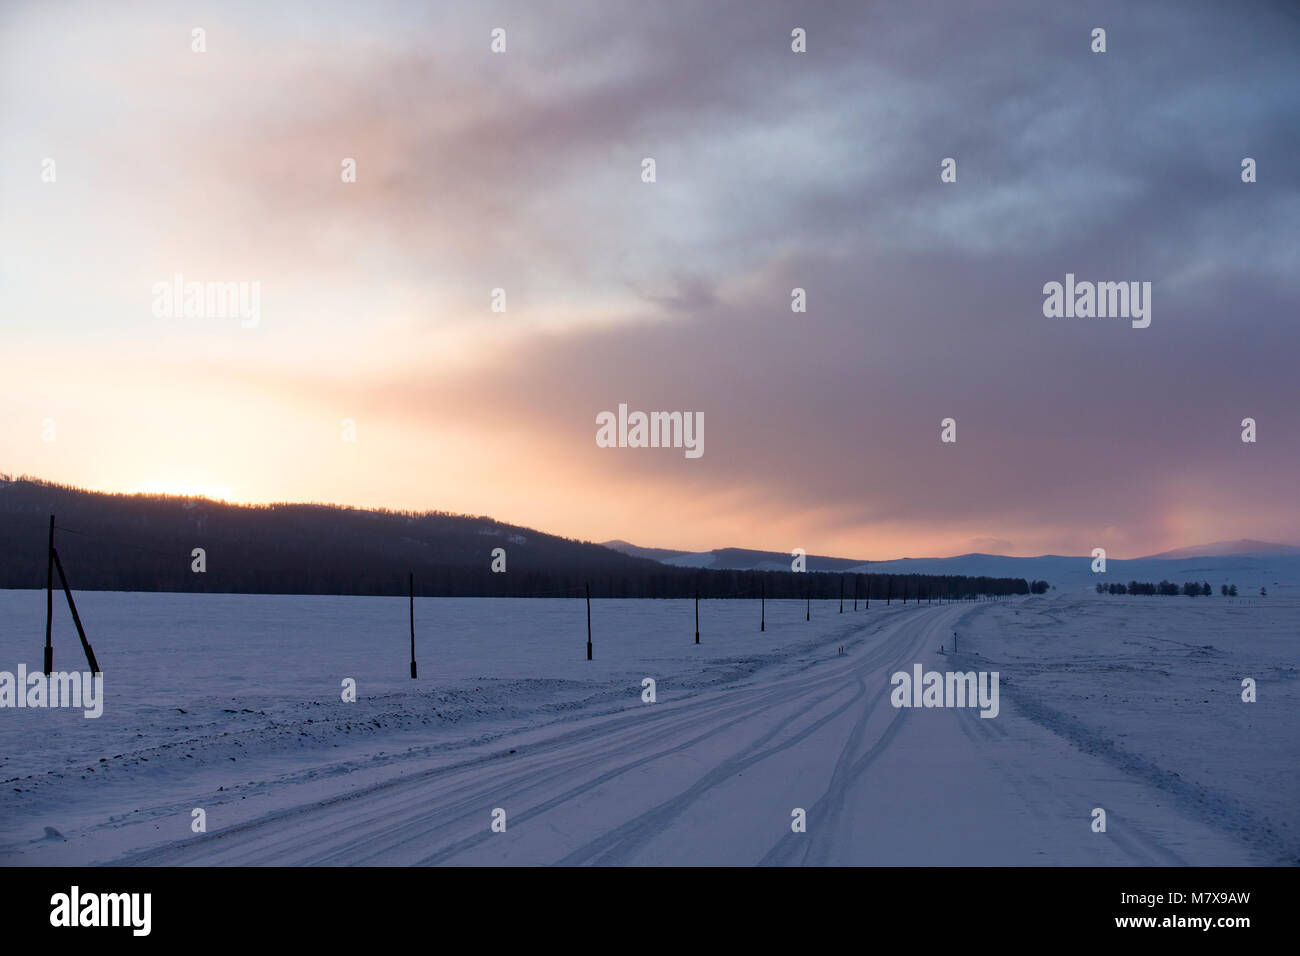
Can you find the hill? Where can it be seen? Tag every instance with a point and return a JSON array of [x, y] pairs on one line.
[[146, 543]]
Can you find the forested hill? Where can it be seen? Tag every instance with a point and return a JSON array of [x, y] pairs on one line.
[[147, 543]]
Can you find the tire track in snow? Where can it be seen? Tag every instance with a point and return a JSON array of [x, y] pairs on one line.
[[357, 819], [619, 845], [814, 847]]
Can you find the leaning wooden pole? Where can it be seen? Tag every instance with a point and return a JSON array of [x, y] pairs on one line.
[[49, 602], [76, 618]]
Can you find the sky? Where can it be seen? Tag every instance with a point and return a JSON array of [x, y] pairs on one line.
[[522, 171]]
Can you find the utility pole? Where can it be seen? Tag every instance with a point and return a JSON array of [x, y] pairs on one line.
[[49, 605], [412, 583]]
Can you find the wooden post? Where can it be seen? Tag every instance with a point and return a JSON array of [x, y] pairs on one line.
[[855, 592], [807, 590], [49, 605], [412, 583], [866, 605], [762, 621], [697, 617], [841, 594], [76, 618], [589, 621], [889, 591]]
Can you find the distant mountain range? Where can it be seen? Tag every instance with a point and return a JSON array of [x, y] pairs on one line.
[[1246, 563], [747, 559], [1218, 548]]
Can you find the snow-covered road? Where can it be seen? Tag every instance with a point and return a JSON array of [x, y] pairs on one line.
[[714, 776]]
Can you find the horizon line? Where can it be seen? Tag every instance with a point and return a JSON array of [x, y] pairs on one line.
[[7, 478]]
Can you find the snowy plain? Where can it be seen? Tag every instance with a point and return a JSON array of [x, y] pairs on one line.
[[232, 704]]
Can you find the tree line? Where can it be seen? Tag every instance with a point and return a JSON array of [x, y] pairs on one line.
[[147, 543], [1189, 589]]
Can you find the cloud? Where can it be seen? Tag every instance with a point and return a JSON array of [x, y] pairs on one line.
[[776, 170]]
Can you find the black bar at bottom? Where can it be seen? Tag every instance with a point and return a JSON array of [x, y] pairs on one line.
[[1011, 905]]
